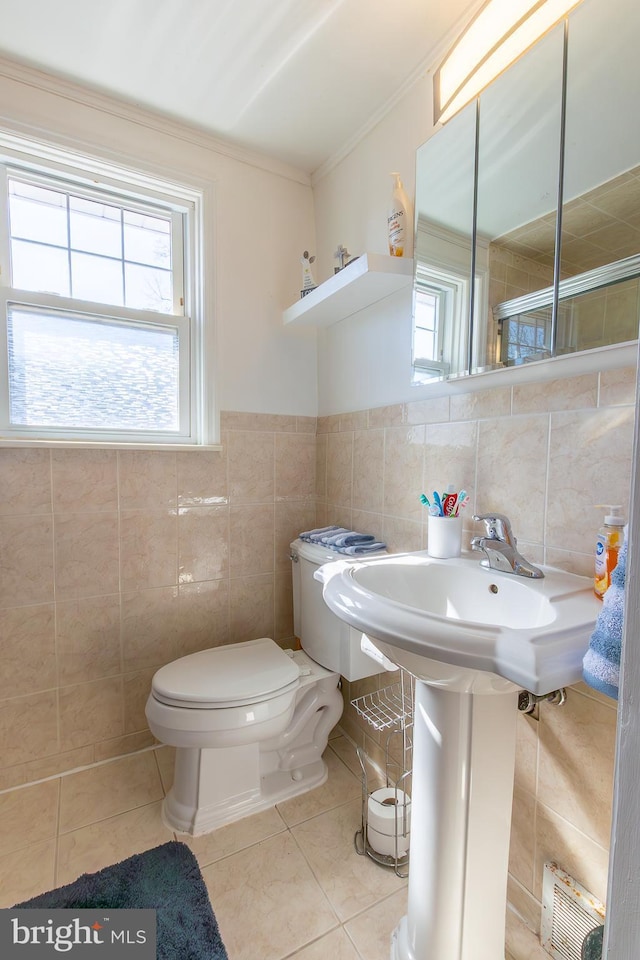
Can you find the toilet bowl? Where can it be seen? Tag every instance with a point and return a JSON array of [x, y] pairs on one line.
[[250, 721]]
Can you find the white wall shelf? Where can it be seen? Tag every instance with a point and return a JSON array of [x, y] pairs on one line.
[[363, 282]]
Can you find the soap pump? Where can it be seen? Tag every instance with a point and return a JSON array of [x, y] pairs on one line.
[[608, 543]]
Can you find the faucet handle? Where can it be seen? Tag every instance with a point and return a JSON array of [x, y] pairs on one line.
[[498, 526]]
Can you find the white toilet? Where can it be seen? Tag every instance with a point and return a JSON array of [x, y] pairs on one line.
[[251, 721]]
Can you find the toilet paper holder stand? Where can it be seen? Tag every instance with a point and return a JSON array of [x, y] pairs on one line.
[[389, 710]]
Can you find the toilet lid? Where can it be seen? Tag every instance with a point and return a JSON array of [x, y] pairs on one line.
[[230, 675]]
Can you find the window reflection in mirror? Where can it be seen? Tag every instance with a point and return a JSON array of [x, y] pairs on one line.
[[445, 169], [601, 211], [518, 179]]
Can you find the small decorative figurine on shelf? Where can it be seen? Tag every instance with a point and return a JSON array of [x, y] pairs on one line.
[[343, 257], [308, 283]]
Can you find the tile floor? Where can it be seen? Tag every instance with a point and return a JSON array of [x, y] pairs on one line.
[[285, 883]]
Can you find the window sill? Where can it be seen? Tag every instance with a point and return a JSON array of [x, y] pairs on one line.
[[6, 442]]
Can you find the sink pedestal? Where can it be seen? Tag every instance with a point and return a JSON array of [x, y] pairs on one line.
[[463, 767]]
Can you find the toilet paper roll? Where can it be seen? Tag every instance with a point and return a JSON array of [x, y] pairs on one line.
[[387, 845], [386, 811]]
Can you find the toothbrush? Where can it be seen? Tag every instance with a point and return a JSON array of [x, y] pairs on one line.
[[438, 502], [462, 502], [424, 500]]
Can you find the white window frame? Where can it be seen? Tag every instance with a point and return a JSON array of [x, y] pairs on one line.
[[43, 165]]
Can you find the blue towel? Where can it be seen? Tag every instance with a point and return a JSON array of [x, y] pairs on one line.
[[349, 542], [601, 664], [347, 538], [315, 536]]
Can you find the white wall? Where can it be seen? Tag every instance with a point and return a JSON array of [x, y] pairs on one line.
[[260, 221], [366, 360]]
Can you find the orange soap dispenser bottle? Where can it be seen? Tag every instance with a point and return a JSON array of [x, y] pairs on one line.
[[608, 543]]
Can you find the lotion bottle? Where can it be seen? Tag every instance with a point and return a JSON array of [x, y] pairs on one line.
[[608, 542], [400, 221]]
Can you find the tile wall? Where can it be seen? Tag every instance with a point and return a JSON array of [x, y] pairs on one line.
[[113, 563], [544, 454]]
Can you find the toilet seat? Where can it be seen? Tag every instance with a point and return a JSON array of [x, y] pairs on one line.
[[224, 677]]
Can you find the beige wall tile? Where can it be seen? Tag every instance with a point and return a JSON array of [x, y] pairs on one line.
[[495, 402], [283, 606], [403, 471], [368, 459], [107, 790], [526, 771], [203, 543], [435, 410], [119, 746], [291, 518], [90, 712], [25, 481], [203, 616], [136, 689], [522, 943], [295, 466], [558, 840], [28, 728], [149, 628], [86, 555], [252, 608], [61, 762], [524, 904], [617, 386], [26, 560], [252, 535], [577, 746], [365, 522], [27, 650], [148, 549], [589, 454], [512, 472], [573, 393], [392, 416], [340, 468], [357, 420], [84, 480], [321, 465], [202, 478], [147, 479], [306, 425], [450, 457], [522, 846], [28, 815], [400, 535], [88, 638], [251, 467], [264, 422]]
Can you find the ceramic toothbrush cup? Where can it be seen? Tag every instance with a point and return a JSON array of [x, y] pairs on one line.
[[444, 537]]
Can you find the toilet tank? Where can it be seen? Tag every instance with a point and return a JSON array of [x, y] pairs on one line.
[[326, 639]]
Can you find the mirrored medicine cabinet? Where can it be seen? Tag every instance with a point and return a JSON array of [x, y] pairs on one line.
[[528, 206]]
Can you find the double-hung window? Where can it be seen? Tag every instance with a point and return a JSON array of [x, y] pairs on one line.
[[98, 341]]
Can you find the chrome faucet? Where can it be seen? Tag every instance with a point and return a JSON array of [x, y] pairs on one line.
[[500, 547]]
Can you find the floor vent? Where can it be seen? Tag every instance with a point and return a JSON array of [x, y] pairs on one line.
[[569, 913]]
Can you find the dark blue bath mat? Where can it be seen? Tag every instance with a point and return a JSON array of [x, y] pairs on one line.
[[166, 879]]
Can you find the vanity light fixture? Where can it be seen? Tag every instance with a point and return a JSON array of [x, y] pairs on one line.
[[499, 33]]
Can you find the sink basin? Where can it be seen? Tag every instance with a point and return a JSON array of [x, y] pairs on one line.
[[454, 623]]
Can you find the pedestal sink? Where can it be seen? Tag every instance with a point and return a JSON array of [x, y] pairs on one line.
[[473, 638]]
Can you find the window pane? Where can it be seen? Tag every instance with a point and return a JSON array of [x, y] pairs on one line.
[[77, 372], [37, 214], [95, 227], [36, 267], [96, 278], [147, 239], [148, 289], [424, 345]]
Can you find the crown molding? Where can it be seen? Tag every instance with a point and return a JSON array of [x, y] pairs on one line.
[[31, 76]]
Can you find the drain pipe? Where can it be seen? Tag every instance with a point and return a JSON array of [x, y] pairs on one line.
[[527, 701]]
